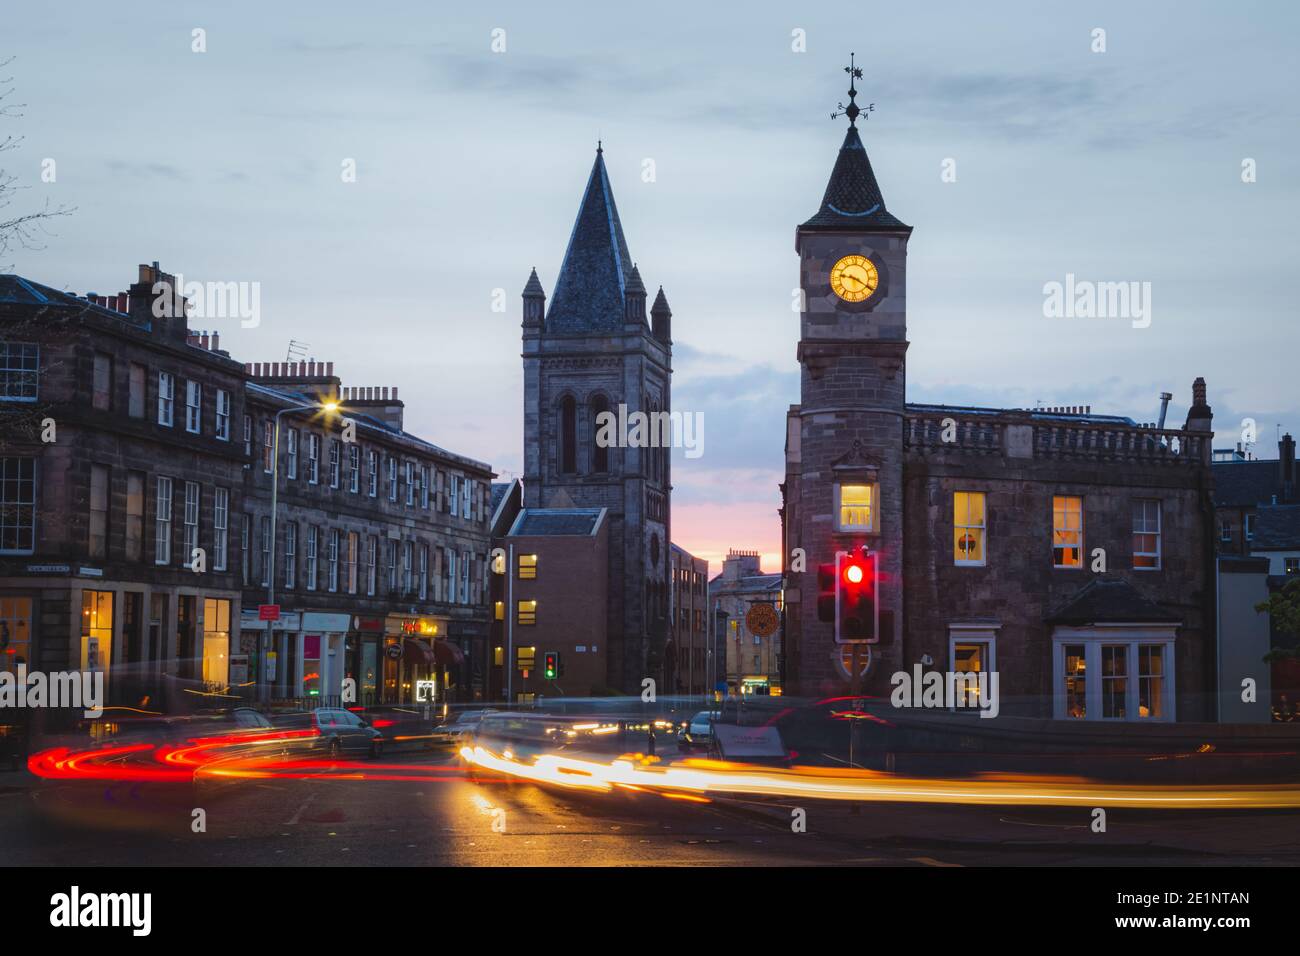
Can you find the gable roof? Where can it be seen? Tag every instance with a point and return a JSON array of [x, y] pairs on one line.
[[852, 199], [557, 521], [1110, 600], [593, 278]]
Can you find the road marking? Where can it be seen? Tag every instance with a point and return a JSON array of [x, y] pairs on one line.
[[297, 814], [930, 861]]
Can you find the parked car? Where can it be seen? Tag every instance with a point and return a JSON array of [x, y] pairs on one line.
[[462, 728], [698, 732], [338, 732]]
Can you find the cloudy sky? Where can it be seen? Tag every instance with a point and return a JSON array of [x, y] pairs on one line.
[[1123, 165]]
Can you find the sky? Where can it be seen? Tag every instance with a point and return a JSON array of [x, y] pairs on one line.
[[472, 129]]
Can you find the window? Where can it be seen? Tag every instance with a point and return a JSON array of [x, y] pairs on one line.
[[268, 445], [1146, 534], [193, 407], [248, 436], [372, 472], [162, 536], [1114, 680], [568, 461], [313, 458], [97, 546], [1250, 527], [453, 495], [968, 525], [1225, 530], [392, 565], [19, 371], [1076, 681], [1067, 532], [408, 548], [353, 542], [424, 572], [134, 515], [499, 613], [1151, 681], [334, 463], [410, 483], [392, 478], [165, 396], [17, 505], [101, 394], [354, 468], [266, 551], [290, 555], [245, 549], [313, 538], [333, 555], [527, 613], [855, 508], [464, 577], [1290, 565], [135, 390], [223, 415], [599, 451], [16, 628], [372, 560], [424, 487], [971, 657], [191, 529], [466, 496], [220, 524], [451, 577], [291, 453], [527, 566]]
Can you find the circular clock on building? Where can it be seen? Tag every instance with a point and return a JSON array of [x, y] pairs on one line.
[[762, 620], [854, 278]]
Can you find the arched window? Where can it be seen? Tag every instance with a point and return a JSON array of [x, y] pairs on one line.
[[599, 453], [568, 436]]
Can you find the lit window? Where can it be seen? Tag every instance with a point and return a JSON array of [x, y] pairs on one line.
[[528, 566], [527, 612], [1146, 533], [855, 507], [498, 656], [1076, 682], [968, 527], [500, 612], [1114, 680], [525, 658], [1067, 532], [1151, 680]]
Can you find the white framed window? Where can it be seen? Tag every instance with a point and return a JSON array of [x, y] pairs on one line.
[[1250, 527], [333, 555], [166, 396], [466, 496], [451, 576], [100, 479], [392, 565], [162, 528], [424, 487], [972, 649], [464, 577], [410, 483], [17, 505], [1225, 530], [313, 542], [408, 582], [424, 572], [191, 531], [856, 507], [268, 445], [313, 458], [291, 452], [223, 415], [1067, 531], [20, 364], [334, 463], [372, 473], [290, 555], [372, 564], [266, 550], [392, 478], [220, 528], [1146, 534], [453, 494], [248, 436], [968, 528], [1114, 672], [353, 544], [193, 407], [245, 549], [354, 468]]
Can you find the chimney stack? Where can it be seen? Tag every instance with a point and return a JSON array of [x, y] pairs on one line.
[[1286, 466]]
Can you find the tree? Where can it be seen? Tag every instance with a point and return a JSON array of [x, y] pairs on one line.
[[1283, 608]]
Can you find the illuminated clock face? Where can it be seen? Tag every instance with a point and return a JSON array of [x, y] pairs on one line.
[[854, 278]]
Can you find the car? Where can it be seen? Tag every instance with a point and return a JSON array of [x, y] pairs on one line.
[[698, 732], [458, 731], [338, 732]]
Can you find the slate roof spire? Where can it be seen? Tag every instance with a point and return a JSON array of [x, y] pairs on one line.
[[589, 292]]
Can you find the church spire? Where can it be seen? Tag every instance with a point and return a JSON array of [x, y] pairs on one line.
[[853, 199], [589, 292]]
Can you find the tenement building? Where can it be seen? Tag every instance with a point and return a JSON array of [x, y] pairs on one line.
[[135, 516], [747, 604], [1068, 552], [594, 349]]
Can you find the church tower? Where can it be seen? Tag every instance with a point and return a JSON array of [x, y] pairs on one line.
[[852, 348], [594, 349]]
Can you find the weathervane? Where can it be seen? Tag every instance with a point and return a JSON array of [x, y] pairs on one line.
[[852, 111]]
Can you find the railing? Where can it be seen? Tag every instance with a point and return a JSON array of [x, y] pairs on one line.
[[951, 433]]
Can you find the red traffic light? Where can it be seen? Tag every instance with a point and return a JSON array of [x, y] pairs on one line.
[[854, 573]]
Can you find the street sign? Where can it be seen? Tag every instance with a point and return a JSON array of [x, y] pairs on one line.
[[394, 651], [268, 612]]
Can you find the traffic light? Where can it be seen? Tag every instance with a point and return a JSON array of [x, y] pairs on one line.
[[856, 618], [551, 665]]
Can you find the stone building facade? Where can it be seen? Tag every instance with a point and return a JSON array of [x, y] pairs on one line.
[[594, 348], [687, 664], [751, 662], [1069, 552]]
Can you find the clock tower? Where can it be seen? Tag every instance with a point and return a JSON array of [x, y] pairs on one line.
[[847, 431]]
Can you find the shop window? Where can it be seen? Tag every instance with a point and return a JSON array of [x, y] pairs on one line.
[[15, 632], [216, 643]]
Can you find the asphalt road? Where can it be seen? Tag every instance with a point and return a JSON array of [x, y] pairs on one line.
[[447, 819]]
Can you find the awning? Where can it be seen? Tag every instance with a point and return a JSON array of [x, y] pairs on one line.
[[448, 655], [417, 653]]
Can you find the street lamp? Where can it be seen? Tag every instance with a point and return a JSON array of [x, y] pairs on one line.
[[326, 407]]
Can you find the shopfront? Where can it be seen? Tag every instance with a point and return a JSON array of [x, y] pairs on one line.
[[412, 660]]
